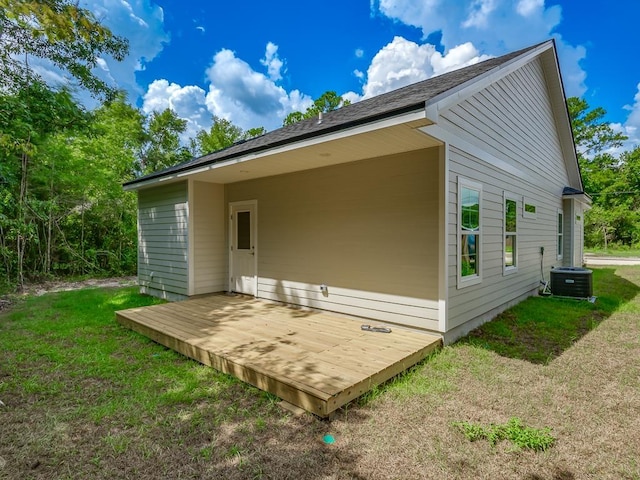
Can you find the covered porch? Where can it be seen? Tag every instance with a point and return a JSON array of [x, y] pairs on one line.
[[314, 360]]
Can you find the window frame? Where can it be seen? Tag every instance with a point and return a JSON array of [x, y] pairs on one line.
[[468, 280], [560, 234], [525, 214], [508, 269]]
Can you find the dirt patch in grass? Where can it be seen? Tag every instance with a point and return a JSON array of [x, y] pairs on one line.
[[102, 402], [52, 286], [67, 286]]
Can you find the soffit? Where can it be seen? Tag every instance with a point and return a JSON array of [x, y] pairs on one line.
[[387, 141]]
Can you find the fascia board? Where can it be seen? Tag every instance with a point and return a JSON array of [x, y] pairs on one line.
[[369, 127]]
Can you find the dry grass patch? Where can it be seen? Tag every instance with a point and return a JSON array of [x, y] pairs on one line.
[[88, 399]]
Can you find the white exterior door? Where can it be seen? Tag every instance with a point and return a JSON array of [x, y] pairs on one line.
[[243, 242]]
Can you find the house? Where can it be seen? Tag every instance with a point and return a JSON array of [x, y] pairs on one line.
[[434, 206]]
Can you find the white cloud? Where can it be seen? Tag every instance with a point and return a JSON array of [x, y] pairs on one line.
[[353, 97], [480, 10], [359, 74], [573, 76], [187, 102], [272, 62], [102, 64], [492, 26], [200, 28], [403, 62], [359, 52], [142, 23], [526, 8], [246, 97], [634, 116], [236, 92], [631, 127]]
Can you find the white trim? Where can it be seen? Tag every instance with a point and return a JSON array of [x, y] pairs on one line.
[[191, 271], [456, 95], [254, 205], [467, 281], [508, 270], [322, 138], [443, 263], [443, 135], [560, 243], [530, 215]]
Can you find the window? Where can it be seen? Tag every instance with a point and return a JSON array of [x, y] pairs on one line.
[[510, 249], [560, 233], [243, 223], [529, 210], [469, 228]]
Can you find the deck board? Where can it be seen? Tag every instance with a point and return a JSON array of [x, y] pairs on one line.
[[314, 360]]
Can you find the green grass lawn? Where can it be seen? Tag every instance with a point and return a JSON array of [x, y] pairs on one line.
[[541, 328], [65, 357], [86, 398]]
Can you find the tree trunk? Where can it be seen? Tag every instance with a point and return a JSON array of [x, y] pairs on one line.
[[21, 239]]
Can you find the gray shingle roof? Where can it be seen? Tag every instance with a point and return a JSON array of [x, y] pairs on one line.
[[403, 100]]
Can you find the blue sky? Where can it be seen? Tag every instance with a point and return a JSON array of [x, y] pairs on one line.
[[254, 62]]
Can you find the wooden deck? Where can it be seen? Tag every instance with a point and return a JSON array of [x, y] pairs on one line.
[[316, 361]]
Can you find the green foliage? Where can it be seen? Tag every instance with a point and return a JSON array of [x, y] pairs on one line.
[[67, 344], [521, 436], [161, 148], [612, 181], [591, 132], [614, 184], [222, 134], [327, 102], [29, 118], [57, 30]]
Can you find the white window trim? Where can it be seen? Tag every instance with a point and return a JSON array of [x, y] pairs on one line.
[[525, 214], [560, 242], [507, 270], [471, 279]]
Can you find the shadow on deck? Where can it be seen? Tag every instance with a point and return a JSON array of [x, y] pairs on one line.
[[314, 360]]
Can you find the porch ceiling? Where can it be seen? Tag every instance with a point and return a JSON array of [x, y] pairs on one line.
[[348, 148]]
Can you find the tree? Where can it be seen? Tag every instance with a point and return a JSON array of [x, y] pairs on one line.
[[101, 226], [28, 118], [162, 148], [591, 132], [327, 102], [57, 30], [32, 116], [222, 134], [612, 181]]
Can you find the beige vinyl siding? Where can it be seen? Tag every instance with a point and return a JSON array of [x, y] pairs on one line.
[[210, 260], [510, 123], [368, 230], [163, 241]]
